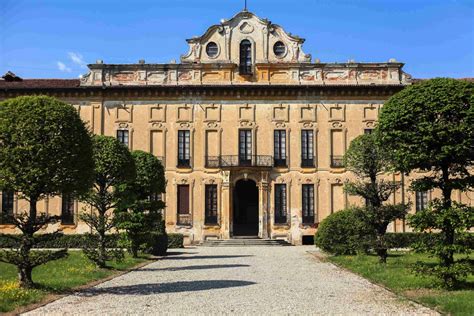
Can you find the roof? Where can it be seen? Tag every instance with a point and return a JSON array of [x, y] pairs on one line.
[[75, 83], [40, 84]]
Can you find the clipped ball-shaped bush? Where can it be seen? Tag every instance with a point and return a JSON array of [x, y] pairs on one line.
[[344, 233]]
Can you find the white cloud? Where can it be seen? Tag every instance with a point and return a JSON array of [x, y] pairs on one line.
[[63, 67], [77, 59]]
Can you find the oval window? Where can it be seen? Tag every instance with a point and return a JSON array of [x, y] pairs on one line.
[[279, 49], [212, 50]]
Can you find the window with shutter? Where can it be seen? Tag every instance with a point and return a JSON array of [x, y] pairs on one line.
[[7, 206], [67, 210], [184, 149], [245, 58], [307, 151], [211, 204], [308, 203], [122, 136], [279, 140], [280, 203], [183, 199]]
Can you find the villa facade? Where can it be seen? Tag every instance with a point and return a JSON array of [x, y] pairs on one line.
[[250, 129]]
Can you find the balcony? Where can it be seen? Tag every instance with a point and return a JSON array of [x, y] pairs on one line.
[[261, 161], [337, 161]]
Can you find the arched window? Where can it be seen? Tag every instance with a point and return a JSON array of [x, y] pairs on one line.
[[245, 57]]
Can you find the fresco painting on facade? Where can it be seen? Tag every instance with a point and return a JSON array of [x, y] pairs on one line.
[[250, 129]]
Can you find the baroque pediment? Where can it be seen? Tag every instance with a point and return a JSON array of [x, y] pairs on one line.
[[227, 36]]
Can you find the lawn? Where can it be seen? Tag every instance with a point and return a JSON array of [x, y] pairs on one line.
[[397, 276], [55, 277]]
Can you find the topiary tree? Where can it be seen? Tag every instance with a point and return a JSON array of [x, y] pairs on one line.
[[45, 150], [141, 213], [113, 169], [368, 161], [344, 233], [429, 128]]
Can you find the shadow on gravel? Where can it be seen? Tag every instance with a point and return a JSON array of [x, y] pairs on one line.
[[198, 267], [206, 257], [177, 253], [172, 287]]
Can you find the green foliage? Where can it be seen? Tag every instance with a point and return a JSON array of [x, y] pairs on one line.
[[398, 275], [367, 160], [430, 124], [344, 233], [175, 240], [140, 213], [53, 241], [429, 127], [429, 239], [55, 277], [114, 168], [157, 243], [45, 150], [436, 216], [45, 147]]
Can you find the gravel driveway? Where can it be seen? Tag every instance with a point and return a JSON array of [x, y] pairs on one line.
[[240, 280]]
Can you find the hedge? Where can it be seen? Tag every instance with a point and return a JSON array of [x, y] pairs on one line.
[[175, 240], [75, 241], [405, 240]]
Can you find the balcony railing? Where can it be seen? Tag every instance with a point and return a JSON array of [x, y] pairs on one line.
[[239, 161], [337, 161]]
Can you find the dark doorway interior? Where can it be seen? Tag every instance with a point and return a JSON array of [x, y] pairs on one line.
[[245, 208]]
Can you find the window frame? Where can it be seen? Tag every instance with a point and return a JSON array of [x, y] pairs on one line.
[[421, 200], [123, 136], [245, 147], [307, 204], [280, 44], [280, 148], [280, 203], [208, 47], [8, 205], [184, 149], [67, 210], [211, 204], [245, 58], [307, 148]]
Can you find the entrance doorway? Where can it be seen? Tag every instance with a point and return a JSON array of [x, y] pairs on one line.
[[245, 219]]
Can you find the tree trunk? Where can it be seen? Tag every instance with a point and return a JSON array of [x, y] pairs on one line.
[[135, 244], [25, 268], [447, 258], [102, 243], [24, 275], [381, 248]]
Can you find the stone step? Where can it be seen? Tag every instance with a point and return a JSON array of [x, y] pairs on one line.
[[244, 242]]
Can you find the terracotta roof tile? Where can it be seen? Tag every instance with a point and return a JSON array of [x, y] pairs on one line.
[[40, 84]]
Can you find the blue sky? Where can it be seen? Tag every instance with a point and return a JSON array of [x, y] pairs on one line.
[[57, 38]]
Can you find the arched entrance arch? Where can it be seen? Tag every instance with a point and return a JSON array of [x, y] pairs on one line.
[[245, 208]]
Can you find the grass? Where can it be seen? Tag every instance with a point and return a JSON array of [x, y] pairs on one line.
[[54, 278], [398, 276]]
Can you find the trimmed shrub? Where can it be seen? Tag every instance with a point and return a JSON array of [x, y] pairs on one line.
[[343, 233], [58, 240], [175, 240], [54, 241], [157, 244]]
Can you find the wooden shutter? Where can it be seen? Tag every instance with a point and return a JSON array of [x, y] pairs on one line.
[[183, 199]]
